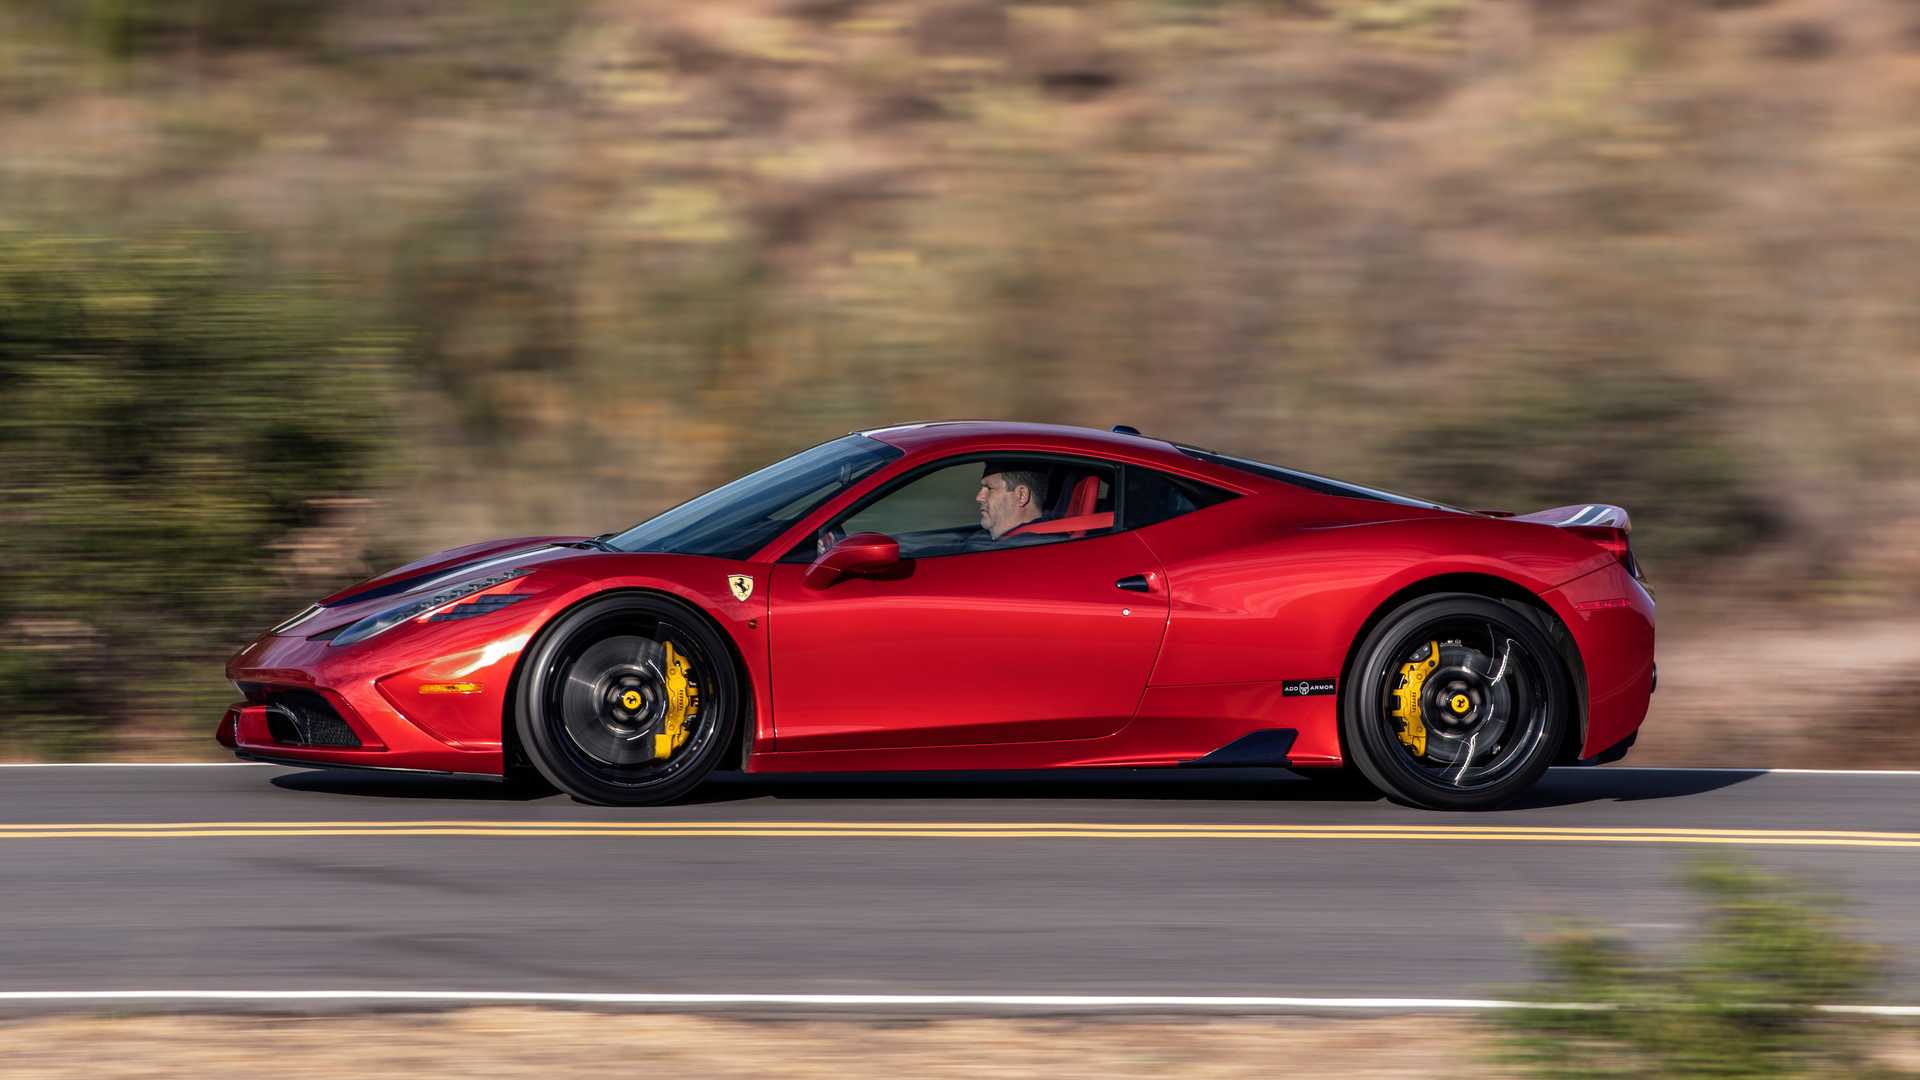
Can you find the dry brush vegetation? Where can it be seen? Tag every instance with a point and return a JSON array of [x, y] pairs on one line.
[[516, 267]]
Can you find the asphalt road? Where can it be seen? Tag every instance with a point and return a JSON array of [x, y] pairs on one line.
[[1101, 883]]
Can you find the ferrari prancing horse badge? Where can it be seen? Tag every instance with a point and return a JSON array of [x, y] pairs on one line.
[[741, 584]]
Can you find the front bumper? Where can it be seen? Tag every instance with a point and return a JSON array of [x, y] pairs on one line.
[[432, 702]]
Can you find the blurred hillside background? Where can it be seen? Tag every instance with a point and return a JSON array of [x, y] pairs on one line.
[[295, 290]]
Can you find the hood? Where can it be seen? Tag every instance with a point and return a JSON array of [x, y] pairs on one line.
[[452, 561]]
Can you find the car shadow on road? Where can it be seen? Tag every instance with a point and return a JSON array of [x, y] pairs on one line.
[[1572, 786], [1216, 785], [404, 785], [1173, 785], [1560, 787]]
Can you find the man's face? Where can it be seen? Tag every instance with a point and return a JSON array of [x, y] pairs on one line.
[[1002, 507]]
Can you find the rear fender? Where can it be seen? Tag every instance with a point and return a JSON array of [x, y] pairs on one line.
[[1512, 594]]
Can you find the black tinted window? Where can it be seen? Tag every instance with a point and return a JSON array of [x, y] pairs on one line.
[[1153, 497], [939, 511], [1321, 484]]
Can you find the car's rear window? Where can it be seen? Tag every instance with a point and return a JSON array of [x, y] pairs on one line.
[[1320, 484], [1154, 496]]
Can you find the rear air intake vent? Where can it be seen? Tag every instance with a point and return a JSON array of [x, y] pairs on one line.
[[304, 718]]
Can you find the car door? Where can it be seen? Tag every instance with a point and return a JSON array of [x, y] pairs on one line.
[[1049, 633]]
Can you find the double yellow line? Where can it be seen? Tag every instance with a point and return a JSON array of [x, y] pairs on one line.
[[932, 830]]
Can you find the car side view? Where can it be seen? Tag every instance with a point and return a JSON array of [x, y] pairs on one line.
[[985, 595]]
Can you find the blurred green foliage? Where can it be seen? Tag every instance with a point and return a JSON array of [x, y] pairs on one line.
[[173, 409], [129, 27], [1733, 1001]]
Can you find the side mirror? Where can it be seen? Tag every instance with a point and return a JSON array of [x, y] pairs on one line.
[[867, 554]]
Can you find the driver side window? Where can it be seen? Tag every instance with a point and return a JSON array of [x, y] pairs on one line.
[[942, 501], [986, 504]]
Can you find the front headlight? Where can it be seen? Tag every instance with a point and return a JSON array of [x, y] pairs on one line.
[[381, 622]]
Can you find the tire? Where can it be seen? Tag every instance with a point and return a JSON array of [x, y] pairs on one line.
[[1493, 707], [569, 712]]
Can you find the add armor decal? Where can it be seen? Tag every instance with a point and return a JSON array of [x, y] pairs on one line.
[[1306, 687]]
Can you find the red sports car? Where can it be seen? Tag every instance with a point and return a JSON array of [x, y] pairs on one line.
[[978, 595]]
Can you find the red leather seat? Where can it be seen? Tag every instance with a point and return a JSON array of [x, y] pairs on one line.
[[1086, 496], [1076, 517]]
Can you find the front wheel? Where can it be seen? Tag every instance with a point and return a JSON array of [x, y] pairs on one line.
[[1455, 702], [627, 700]]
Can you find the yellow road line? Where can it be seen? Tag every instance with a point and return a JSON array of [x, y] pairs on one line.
[[957, 830]]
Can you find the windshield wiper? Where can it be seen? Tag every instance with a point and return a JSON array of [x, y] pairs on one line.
[[597, 543]]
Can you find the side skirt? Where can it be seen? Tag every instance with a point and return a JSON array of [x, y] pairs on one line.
[[1257, 749]]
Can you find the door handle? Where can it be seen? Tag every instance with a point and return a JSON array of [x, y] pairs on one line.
[[1134, 583]]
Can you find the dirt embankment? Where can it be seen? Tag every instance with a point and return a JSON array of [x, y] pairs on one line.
[[1787, 694], [557, 1045]]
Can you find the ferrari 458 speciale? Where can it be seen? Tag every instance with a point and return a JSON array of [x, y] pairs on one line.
[[981, 595]]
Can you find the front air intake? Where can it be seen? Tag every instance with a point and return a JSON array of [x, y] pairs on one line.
[[304, 718]]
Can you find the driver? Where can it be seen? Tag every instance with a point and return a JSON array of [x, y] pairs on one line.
[[1009, 496]]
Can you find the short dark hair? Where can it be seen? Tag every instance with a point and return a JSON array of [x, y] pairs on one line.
[[1035, 480]]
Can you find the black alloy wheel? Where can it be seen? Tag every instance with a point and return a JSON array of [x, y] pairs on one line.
[[600, 691], [1455, 702]]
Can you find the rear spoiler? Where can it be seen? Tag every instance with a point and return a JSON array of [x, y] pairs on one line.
[[1604, 524], [1581, 515]]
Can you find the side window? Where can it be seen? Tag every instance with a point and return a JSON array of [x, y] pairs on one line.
[[986, 504], [940, 501], [1153, 497]]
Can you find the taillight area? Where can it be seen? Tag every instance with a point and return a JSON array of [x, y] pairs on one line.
[[1615, 541]]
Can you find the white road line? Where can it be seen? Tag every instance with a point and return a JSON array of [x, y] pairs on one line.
[[988, 1001]]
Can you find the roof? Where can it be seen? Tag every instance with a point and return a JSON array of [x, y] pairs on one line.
[[1241, 474], [957, 433]]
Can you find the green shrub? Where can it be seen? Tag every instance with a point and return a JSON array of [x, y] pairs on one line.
[[1734, 1001], [132, 27], [172, 409]]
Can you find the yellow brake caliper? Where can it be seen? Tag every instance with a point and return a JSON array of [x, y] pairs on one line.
[[683, 704], [1406, 709]]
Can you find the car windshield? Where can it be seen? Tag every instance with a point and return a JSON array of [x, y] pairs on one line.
[[735, 520]]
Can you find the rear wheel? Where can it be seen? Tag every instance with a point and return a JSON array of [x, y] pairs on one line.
[[1455, 702], [628, 700]]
